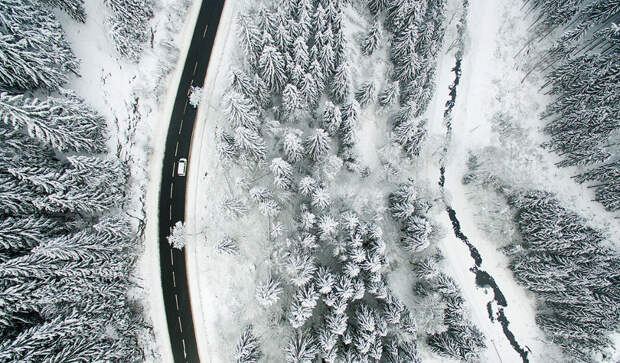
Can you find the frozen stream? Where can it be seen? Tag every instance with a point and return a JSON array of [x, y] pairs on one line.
[[482, 278]]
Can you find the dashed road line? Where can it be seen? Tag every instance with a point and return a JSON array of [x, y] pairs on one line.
[[176, 150], [171, 259], [171, 189], [204, 32], [174, 280], [176, 300], [195, 66], [170, 212], [181, 127], [184, 352], [180, 325]]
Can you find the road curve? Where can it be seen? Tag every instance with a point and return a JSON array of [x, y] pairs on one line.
[[172, 193]]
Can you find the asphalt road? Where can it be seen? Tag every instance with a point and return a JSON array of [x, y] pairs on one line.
[[172, 194]]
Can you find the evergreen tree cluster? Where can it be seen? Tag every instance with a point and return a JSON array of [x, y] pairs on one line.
[[65, 253], [461, 340], [294, 55], [576, 278], [33, 49], [339, 304], [407, 209], [417, 29], [129, 26], [583, 73]]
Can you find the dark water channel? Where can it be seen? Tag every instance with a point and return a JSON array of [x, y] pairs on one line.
[[483, 279]]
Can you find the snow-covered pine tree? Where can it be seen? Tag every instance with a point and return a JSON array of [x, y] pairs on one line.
[[293, 146], [67, 123], [377, 6], [331, 119], [247, 349], [410, 134], [292, 102], [75, 8], [33, 48], [390, 94], [300, 52], [250, 143], [24, 233], [341, 83], [241, 111], [227, 246], [301, 268], [365, 94], [317, 72], [268, 292], [320, 198], [272, 68], [317, 144], [301, 347], [309, 88], [129, 26], [250, 36], [282, 173], [177, 236], [370, 41]]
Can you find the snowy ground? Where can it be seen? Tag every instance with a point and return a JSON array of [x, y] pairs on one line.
[[136, 100]]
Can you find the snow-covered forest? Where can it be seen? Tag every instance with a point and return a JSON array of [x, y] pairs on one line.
[[324, 191], [368, 180], [68, 237]]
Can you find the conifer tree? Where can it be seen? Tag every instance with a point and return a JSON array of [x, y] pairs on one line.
[[370, 42], [247, 349], [75, 8], [341, 83], [317, 144], [271, 65], [67, 123], [33, 48], [365, 94], [293, 146]]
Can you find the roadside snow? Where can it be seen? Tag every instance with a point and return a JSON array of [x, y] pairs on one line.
[[136, 100], [215, 329]]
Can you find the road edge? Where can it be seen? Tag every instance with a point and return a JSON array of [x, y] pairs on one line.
[[150, 260], [195, 172]]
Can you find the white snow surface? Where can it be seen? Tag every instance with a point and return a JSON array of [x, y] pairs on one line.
[[136, 100]]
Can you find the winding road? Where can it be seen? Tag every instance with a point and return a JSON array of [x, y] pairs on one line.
[[172, 193]]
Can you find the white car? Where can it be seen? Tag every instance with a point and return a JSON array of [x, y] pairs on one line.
[[182, 167]]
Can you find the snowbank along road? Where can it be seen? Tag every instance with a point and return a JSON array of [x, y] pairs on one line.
[[172, 193]]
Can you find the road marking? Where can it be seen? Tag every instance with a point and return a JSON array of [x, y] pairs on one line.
[[181, 127], [174, 280], [184, 353], [195, 66], [185, 107], [176, 300], [170, 212], [191, 83], [180, 326], [171, 188], [205, 31], [171, 259], [176, 149], [173, 169]]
